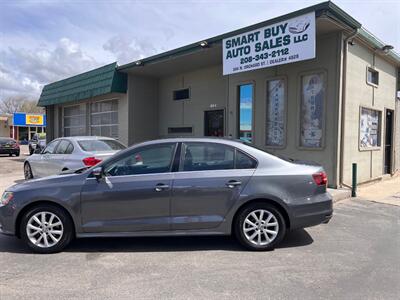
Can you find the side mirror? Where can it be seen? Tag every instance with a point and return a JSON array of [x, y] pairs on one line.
[[98, 172], [37, 150]]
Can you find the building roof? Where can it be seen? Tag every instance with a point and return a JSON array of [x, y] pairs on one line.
[[328, 8], [100, 81]]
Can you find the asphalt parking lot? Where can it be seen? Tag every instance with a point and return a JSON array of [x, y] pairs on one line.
[[355, 256], [11, 168]]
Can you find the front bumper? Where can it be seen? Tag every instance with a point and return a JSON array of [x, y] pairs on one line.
[[7, 217], [316, 210]]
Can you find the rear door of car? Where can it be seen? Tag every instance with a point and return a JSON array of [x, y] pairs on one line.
[[207, 184], [60, 158]]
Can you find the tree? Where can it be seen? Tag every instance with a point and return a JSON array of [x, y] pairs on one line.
[[11, 105]]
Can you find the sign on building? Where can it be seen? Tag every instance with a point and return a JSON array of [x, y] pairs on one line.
[[281, 43], [24, 119]]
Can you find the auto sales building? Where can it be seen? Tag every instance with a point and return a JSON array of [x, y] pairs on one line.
[[313, 85]]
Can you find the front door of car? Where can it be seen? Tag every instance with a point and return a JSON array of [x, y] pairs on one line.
[[207, 184], [133, 195], [42, 164]]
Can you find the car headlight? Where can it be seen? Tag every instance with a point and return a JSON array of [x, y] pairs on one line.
[[6, 198]]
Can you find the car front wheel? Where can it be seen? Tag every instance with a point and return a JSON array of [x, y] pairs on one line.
[[46, 229], [260, 227], [28, 171]]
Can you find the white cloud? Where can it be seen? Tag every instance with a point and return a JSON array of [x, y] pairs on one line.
[[127, 49], [25, 71]]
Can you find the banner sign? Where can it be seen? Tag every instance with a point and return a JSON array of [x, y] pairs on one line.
[[24, 119], [276, 112], [281, 43], [34, 120]]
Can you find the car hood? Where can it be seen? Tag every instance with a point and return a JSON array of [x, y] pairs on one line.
[[55, 180]]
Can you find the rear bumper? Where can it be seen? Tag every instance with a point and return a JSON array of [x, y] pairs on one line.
[[9, 151], [317, 210]]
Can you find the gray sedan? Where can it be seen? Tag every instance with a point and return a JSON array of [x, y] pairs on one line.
[[171, 187], [70, 153]]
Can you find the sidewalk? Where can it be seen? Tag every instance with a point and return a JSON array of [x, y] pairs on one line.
[[386, 191]]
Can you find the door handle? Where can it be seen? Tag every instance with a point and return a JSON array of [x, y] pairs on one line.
[[160, 187], [233, 183]]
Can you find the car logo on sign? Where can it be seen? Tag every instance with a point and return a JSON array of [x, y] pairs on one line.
[[299, 26]]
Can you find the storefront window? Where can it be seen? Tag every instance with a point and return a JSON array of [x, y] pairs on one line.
[[246, 112], [275, 130], [370, 128], [104, 118], [74, 120], [312, 108]]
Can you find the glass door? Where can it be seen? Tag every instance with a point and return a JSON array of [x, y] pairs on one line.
[[214, 123]]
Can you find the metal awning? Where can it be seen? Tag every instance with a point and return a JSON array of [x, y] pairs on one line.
[[100, 81]]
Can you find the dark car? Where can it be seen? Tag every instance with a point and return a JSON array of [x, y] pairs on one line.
[[9, 146], [37, 143], [175, 187]]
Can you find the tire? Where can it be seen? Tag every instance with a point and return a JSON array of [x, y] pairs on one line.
[[37, 241], [28, 171], [17, 154], [255, 237], [10, 154]]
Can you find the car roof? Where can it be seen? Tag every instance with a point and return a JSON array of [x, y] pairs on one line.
[[221, 140], [6, 138], [89, 137]]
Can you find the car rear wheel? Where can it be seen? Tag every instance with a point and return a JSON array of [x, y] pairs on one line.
[[260, 227], [27, 171], [46, 229]]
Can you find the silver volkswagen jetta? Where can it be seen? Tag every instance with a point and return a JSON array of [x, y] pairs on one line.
[[70, 153], [188, 186]]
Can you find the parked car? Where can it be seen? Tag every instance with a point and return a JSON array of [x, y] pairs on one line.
[[70, 153], [38, 140], [171, 187], [9, 146]]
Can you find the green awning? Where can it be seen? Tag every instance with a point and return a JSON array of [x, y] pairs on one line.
[[103, 80]]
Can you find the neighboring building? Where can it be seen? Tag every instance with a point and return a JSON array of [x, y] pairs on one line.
[[5, 121], [317, 86], [25, 125]]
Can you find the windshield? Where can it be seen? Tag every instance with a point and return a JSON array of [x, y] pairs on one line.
[[100, 145]]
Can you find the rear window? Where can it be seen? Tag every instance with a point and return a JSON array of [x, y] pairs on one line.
[[100, 145]]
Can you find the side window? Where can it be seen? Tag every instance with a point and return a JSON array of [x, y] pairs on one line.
[[62, 147], [50, 147], [244, 161], [207, 156], [70, 149], [145, 160]]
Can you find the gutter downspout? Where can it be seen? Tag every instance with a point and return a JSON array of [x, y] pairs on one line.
[[343, 112]]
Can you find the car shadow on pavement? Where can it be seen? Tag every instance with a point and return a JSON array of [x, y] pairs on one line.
[[297, 238]]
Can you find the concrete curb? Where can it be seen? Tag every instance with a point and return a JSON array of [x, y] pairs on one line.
[[340, 194]]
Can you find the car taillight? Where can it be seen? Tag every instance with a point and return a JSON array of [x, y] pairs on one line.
[[320, 178], [91, 161]]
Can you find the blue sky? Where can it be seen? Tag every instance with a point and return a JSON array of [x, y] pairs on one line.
[[44, 41]]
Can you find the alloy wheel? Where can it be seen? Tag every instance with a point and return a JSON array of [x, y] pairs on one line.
[[260, 227], [44, 229]]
